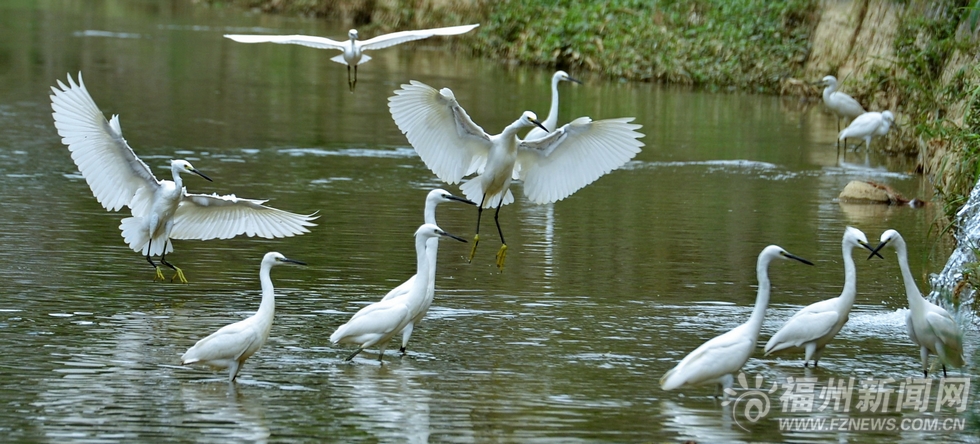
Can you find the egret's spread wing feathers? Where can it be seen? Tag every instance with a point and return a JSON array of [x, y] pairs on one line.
[[573, 156], [203, 217], [805, 326], [305, 40], [384, 41], [445, 137], [109, 165]]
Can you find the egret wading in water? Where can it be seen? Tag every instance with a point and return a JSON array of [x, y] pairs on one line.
[[231, 345], [813, 327], [716, 360], [551, 122], [842, 105], [867, 126], [430, 250], [377, 323], [552, 167], [161, 209], [353, 49], [929, 325]]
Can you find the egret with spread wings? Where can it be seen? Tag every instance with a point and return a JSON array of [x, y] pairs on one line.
[[353, 49], [161, 209], [552, 167]]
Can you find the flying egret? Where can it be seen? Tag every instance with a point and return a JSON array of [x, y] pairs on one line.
[[161, 209], [869, 125], [353, 49], [716, 360], [432, 200], [842, 105], [929, 325], [551, 122], [813, 327], [231, 345], [377, 323], [552, 167]]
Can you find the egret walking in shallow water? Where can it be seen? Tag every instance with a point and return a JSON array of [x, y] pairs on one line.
[[161, 209], [929, 325], [813, 327], [430, 250], [551, 122], [552, 167], [842, 105], [231, 345], [716, 360], [377, 323], [867, 126], [353, 49]]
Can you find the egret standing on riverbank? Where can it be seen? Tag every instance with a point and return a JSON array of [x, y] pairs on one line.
[[353, 49], [867, 126], [842, 105]]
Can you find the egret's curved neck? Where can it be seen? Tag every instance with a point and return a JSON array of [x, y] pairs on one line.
[[431, 253], [850, 277], [430, 213], [552, 121], [761, 298], [828, 91], [177, 181], [268, 305], [510, 132], [422, 268], [911, 290]]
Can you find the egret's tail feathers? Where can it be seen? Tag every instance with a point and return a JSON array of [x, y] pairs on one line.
[[474, 192], [667, 382], [136, 235], [339, 59]]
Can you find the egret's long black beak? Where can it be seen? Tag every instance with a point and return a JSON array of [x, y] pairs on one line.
[[293, 261], [572, 79], [443, 233], [875, 251], [202, 175], [793, 256], [460, 199], [539, 125]]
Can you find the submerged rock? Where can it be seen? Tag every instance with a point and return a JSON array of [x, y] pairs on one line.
[[858, 191]]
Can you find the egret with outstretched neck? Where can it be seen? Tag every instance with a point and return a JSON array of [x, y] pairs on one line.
[[551, 122]]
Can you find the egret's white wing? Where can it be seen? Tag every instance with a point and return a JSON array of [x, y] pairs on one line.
[[445, 137], [109, 165], [386, 40], [204, 217], [805, 326], [846, 104], [400, 290], [719, 356], [863, 125], [228, 343], [573, 156], [374, 323], [949, 335], [305, 40]]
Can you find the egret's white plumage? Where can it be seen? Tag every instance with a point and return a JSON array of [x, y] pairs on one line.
[[377, 323], [161, 209], [428, 253], [551, 122], [716, 360], [813, 327], [552, 167], [231, 345], [869, 125], [842, 105], [929, 325], [353, 49]]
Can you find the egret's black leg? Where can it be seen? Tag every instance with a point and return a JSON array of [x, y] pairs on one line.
[[944, 370], [179, 275], [354, 84], [476, 238], [149, 248], [502, 253], [353, 354]]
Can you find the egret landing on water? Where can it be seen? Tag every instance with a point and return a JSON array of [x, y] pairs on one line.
[[551, 122], [353, 49], [430, 250], [377, 323], [231, 345], [552, 167], [813, 327], [867, 126], [929, 325], [716, 360], [162, 210]]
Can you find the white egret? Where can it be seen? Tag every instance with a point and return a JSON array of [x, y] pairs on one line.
[[716, 360], [929, 325], [377, 323], [231, 345], [161, 209], [551, 122], [552, 167], [813, 327], [869, 125], [429, 253], [353, 49], [842, 105]]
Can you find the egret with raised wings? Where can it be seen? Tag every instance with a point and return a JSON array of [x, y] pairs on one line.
[[353, 49], [161, 209], [716, 360], [929, 326], [551, 122], [552, 167]]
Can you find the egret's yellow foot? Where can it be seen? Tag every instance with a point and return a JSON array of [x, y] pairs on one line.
[[159, 275], [179, 276], [476, 241], [501, 255]]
